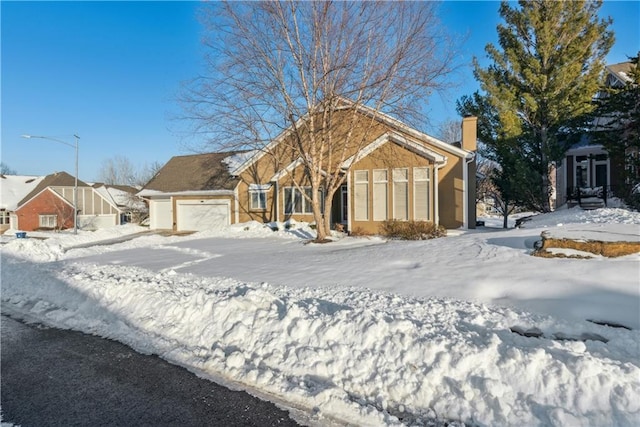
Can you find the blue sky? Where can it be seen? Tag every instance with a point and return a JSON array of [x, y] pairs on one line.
[[110, 72]]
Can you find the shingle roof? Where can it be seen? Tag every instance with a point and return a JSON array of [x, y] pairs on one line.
[[621, 70], [196, 172], [58, 179]]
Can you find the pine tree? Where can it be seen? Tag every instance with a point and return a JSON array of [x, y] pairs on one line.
[[542, 80]]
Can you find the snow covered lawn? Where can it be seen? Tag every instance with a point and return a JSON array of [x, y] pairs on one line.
[[362, 330]]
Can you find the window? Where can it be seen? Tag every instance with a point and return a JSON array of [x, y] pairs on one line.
[[421, 194], [401, 194], [380, 194], [296, 203], [48, 221], [4, 217], [361, 195], [258, 199]]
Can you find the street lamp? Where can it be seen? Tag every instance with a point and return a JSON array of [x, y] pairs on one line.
[[75, 187]]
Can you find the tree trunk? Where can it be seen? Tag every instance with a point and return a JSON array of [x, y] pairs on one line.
[[544, 160]]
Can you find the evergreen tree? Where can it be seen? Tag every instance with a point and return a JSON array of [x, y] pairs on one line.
[[540, 83], [618, 130]]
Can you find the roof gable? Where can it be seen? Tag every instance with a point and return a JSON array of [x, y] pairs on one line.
[[399, 139], [422, 138], [58, 179], [25, 201]]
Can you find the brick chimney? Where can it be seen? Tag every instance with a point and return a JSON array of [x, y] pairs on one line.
[[469, 133]]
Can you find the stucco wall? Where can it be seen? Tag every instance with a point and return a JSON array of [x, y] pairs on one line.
[[388, 157]]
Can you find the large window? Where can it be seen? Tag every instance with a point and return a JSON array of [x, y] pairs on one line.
[[401, 194], [380, 194], [361, 195], [296, 203], [421, 194], [258, 199], [4, 217], [48, 221]]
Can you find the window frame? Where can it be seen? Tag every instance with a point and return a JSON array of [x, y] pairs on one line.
[[415, 199], [396, 180], [360, 185], [379, 201], [48, 218], [5, 217], [261, 193], [306, 206]]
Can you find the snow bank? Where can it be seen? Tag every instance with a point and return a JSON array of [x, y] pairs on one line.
[[404, 340]]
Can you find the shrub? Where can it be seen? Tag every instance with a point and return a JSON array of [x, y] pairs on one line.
[[411, 230], [359, 232]]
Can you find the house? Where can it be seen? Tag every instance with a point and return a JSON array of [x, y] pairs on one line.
[[398, 173], [587, 171], [49, 205], [14, 188], [132, 208]]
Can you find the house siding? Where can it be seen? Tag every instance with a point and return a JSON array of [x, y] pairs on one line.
[[388, 157], [45, 203], [451, 191]]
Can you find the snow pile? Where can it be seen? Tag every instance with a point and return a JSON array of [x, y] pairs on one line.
[[362, 331], [576, 215]]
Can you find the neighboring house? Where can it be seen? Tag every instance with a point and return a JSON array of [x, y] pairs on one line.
[[587, 170], [49, 206], [400, 173], [13, 188], [132, 208]]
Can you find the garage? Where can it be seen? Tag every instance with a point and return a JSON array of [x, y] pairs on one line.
[[160, 214], [202, 214]]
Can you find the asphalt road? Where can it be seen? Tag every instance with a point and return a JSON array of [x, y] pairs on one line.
[[53, 377]]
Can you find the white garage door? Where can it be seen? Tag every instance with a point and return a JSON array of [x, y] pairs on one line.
[[200, 215], [160, 214]]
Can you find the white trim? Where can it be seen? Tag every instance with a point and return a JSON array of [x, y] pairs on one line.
[[277, 202], [283, 172], [349, 205], [257, 191], [260, 187], [236, 206], [156, 193], [465, 190], [398, 139], [436, 195], [380, 116]]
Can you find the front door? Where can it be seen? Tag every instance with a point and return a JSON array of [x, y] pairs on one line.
[[344, 204]]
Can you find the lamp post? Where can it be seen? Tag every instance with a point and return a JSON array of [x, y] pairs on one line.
[[75, 187]]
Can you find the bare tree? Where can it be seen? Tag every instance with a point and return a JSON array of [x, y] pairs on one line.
[[309, 67], [450, 131], [120, 171], [148, 171], [117, 171], [6, 170]]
